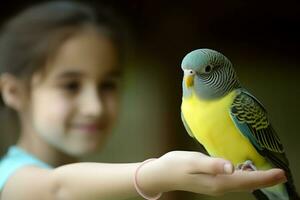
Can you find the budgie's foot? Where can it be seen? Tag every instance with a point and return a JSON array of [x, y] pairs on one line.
[[247, 166]]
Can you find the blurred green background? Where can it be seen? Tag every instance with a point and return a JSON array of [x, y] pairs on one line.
[[260, 38]]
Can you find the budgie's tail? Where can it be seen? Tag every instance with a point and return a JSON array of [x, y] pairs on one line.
[[290, 187], [259, 195]]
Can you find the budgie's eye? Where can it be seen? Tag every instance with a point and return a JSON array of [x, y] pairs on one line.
[[208, 68]]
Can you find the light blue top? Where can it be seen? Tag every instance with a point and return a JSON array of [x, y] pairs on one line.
[[14, 159]]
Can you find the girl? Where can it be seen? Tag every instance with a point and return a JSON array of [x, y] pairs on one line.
[[60, 71]]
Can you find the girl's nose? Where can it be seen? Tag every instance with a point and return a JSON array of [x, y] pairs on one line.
[[91, 104]]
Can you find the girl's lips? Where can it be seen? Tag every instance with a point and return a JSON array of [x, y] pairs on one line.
[[90, 127]]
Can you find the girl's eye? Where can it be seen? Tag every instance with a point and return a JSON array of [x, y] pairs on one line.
[[71, 86], [109, 85]]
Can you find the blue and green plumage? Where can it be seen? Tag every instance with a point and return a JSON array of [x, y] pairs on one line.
[[228, 121]]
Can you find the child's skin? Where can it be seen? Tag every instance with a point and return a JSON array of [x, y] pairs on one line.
[[70, 110]]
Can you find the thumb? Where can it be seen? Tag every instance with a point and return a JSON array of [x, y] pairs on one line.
[[210, 165]]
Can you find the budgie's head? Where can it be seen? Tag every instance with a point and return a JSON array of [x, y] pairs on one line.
[[208, 73]]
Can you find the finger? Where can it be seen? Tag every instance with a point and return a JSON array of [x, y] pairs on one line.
[[210, 165], [251, 180]]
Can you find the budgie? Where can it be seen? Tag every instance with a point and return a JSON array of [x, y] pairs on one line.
[[229, 121]]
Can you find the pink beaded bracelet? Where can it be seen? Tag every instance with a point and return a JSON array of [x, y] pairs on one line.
[[136, 185]]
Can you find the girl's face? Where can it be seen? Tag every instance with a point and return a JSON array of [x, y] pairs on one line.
[[75, 102]]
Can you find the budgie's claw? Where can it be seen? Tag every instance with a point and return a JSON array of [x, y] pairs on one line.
[[247, 166]]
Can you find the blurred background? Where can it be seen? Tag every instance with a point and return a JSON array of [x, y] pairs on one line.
[[261, 38]]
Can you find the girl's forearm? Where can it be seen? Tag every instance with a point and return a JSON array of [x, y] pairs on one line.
[[100, 181], [177, 170]]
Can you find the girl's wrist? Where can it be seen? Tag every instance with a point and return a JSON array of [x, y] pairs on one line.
[[149, 178]]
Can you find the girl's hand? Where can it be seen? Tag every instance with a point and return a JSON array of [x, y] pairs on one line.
[[199, 173]]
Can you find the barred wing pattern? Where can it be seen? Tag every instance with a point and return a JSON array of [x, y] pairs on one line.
[[251, 117]]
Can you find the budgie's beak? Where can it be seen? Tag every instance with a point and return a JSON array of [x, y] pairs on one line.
[[189, 80]]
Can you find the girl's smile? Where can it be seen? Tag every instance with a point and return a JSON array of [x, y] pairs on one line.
[[90, 127]]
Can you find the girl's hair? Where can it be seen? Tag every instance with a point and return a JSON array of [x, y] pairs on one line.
[[29, 39]]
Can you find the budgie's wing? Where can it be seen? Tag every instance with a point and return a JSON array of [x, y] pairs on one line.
[[187, 128], [251, 118]]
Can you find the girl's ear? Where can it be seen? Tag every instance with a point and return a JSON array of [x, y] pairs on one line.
[[12, 91]]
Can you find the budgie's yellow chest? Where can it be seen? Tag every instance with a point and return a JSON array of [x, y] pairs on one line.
[[212, 126]]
